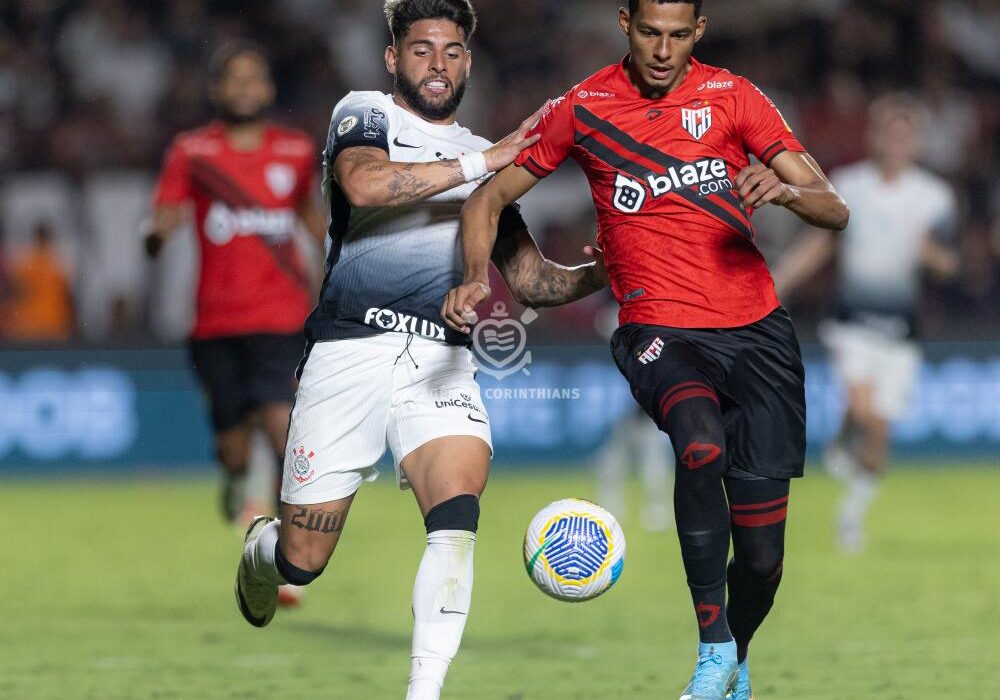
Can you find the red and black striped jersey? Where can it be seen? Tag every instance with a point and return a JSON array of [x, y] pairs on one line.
[[678, 246], [252, 278]]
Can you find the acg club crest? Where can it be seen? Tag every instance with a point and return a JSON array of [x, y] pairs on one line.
[[696, 121]]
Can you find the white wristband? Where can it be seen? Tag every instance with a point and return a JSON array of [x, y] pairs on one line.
[[473, 166]]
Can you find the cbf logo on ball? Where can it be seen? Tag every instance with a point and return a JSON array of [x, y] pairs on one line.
[[500, 343]]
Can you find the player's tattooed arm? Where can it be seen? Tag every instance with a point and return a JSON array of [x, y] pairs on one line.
[[369, 179], [481, 216], [536, 281]]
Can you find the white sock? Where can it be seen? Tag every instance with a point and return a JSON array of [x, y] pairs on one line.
[[442, 595], [861, 491], [259, 553]]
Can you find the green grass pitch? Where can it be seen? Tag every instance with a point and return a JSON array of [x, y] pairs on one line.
[[124, 591]]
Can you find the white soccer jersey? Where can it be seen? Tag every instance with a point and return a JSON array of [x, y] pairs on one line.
[[389, 268], [880, 249]]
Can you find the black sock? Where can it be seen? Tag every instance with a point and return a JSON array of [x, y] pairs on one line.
[[695, 428], [758, 512]]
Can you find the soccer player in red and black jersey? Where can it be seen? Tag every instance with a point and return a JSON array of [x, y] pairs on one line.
[[250, 184], [710, 354]]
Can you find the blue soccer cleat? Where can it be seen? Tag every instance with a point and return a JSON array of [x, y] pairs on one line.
[[715, 675], [742, 691]]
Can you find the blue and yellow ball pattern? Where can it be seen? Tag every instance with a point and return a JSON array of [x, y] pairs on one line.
[[574, 550]]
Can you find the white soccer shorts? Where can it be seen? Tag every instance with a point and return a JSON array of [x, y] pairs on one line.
[[356, 395], [863, 356]]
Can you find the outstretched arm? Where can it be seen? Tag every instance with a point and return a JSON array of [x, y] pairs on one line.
[[480, 220], [369, 179], [534, 280], [795, 181]]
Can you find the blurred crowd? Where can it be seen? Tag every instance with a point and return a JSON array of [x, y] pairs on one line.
[[92, 91]]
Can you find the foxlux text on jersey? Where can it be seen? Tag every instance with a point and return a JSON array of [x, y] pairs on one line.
[[398, 322]]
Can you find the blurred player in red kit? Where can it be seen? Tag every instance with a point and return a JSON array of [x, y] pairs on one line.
[[709, 353], [250, 184]]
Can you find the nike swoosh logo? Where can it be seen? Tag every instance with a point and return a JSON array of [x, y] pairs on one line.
[[395, 142], [475, 420], [451, 612]]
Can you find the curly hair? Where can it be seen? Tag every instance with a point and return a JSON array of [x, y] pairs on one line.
[[401, 15]]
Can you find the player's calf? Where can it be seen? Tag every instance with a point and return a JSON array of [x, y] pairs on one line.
[[702, 514], [759, 510], [442, 593]]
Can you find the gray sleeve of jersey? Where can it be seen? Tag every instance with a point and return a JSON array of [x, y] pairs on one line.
[[357, 122]]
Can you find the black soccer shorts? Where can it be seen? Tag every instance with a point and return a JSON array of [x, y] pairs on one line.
[[755, 371], [242, 373]]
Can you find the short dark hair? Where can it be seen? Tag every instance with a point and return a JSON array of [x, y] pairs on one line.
[[633, 5], [231, 49], [401, 15]]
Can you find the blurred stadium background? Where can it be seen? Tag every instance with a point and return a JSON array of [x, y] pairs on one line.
[[94, 378], [91, 92]]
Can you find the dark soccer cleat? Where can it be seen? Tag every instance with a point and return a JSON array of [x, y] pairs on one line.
[[257, 598], [715, 675]]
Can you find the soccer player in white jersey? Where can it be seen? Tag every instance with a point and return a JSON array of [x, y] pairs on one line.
[[902, 218], [380, 367]]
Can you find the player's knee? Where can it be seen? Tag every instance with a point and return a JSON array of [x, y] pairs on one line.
[[458, 513], [305, 571], [703, 454], [765, 567]]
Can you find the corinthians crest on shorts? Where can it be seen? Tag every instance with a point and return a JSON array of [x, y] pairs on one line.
[[302, 469]]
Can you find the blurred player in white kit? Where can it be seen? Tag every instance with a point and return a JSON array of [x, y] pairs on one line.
[[901, 224]]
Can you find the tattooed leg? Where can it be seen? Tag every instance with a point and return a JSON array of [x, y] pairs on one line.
[[309, 533]]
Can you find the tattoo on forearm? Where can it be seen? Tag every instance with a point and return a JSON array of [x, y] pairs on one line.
[[538, 282], [316, 520], [405, 186]]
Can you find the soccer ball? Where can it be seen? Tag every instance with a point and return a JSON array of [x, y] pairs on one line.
[[574, 550]]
